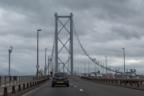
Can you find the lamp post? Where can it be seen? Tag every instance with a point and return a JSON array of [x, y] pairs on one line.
[[106, 61], [124, 57], [49, 62], [37, 67], [9, 58], [45, 68]]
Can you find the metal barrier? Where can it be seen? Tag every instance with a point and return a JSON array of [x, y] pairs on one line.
[[21, 86], [9, 80], [133, 83]]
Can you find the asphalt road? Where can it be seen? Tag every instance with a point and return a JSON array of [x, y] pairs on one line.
[[80, 87]]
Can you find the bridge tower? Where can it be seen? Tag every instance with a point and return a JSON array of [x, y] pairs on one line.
[[64, 43]]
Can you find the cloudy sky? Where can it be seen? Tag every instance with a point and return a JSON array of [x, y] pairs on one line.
[[104, 27]]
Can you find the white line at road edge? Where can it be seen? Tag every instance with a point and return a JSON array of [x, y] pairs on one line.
[[32, 91]]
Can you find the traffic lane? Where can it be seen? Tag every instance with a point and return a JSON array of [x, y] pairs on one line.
[[47, 90], [79, 87], [94, 89]]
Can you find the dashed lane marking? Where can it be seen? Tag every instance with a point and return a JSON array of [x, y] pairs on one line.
[[81, 90]]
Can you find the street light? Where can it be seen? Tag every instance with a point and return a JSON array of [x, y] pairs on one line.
[[45, 68], [9, 58], [37, 67], [106, 62], [49, 62], [124, 57]]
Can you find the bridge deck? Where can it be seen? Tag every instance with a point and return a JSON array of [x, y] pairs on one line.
[[79, 87]]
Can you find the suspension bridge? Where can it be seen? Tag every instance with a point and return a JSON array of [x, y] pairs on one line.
[[62, 60]]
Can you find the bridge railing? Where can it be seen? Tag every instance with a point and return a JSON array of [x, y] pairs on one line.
[[14, 84], [10, 80], [132, 83]]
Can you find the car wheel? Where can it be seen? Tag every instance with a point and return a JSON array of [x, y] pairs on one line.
[[67, 85], [53, 85]]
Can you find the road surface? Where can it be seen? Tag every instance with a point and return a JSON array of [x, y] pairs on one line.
[[79, 87]]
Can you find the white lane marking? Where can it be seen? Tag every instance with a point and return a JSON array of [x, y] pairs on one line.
[[75, 85], [81, 90]]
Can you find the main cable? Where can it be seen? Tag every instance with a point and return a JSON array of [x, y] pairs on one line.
[[88, 55]]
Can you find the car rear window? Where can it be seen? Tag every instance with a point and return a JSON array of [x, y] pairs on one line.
[[60, 75]]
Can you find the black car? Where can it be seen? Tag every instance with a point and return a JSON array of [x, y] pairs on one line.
[[60, 78]]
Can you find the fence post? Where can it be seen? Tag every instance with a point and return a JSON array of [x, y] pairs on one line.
[[27, 85], [5, 80], [19, 87], [23, 86], [13, 89], [5, 92]]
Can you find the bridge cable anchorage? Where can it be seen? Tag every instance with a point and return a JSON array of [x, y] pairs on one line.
[[88, 55]]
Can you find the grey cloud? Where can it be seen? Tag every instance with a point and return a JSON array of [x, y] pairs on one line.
[[99, 40], [111, 8], [126, 33]]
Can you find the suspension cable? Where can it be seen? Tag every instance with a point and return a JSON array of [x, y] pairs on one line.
[[88, 55]]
